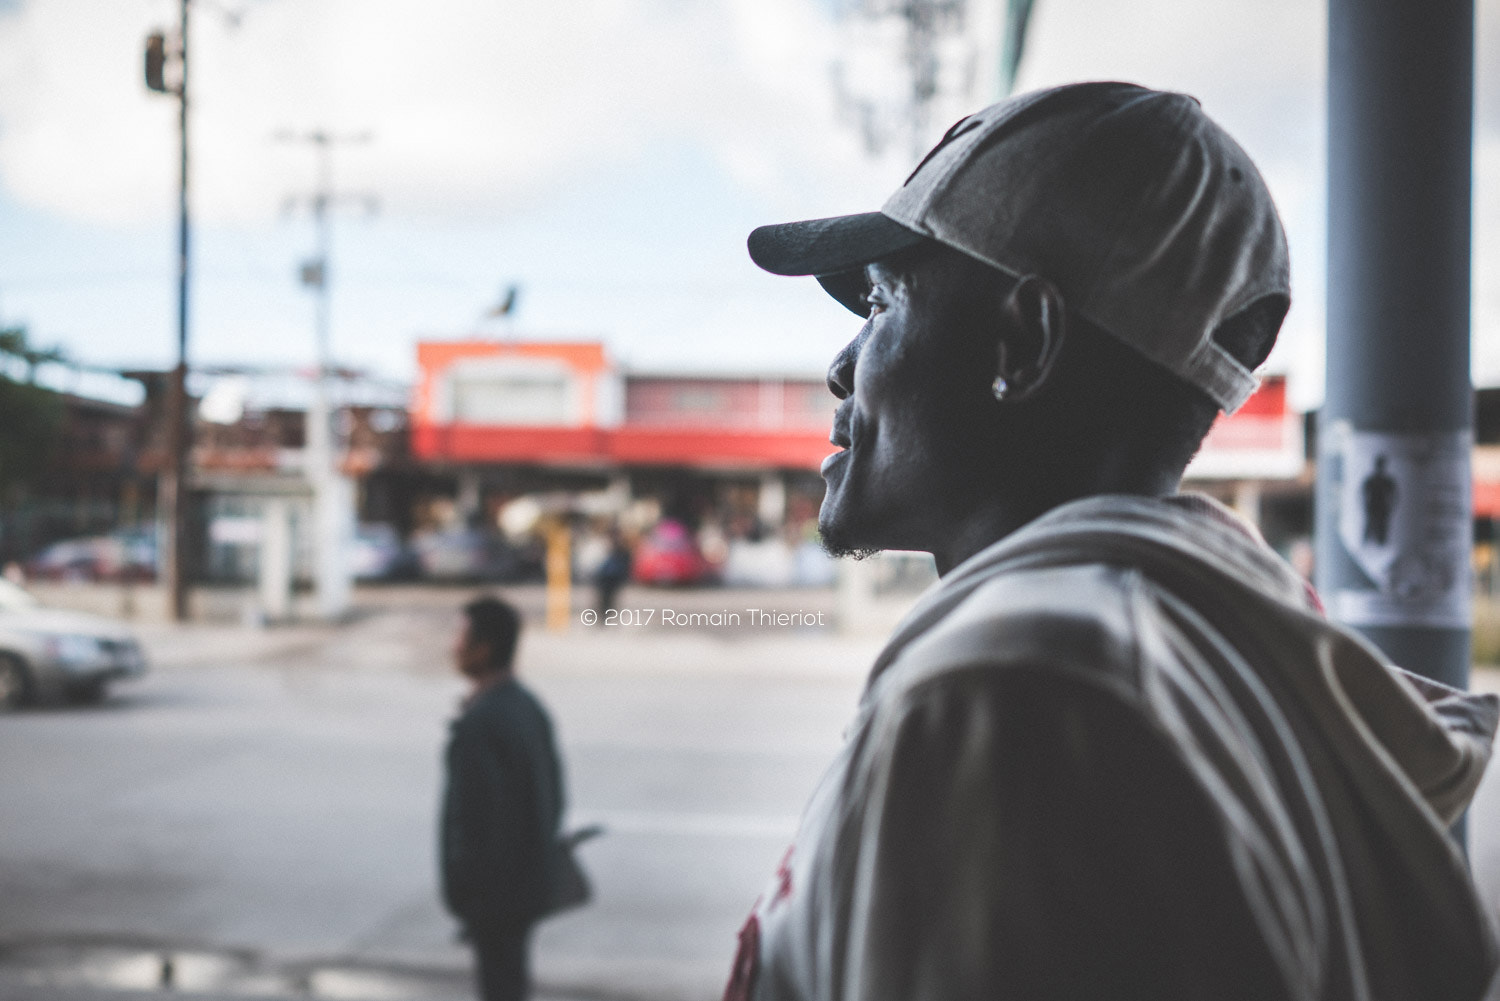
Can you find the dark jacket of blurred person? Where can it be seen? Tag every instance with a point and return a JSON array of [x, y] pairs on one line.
[[613, 572], [502, 803]]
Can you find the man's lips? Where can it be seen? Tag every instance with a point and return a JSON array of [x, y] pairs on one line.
[[839, 437], [840, 434]]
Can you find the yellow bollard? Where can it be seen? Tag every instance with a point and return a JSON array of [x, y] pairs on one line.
[[559, 577]]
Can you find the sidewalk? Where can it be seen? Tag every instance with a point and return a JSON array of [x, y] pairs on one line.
[[101, 972]]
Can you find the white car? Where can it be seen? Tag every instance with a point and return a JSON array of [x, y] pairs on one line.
[[49, 654]]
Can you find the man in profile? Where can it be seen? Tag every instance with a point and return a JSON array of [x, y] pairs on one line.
[[502, 803], [1117, 751]]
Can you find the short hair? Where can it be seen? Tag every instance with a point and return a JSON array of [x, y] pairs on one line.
[[1165, 416], [496, 623]]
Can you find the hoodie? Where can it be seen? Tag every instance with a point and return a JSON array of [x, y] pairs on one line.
[[1121, 753]]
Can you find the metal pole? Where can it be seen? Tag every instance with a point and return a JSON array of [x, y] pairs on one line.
[[175, 494], [1396, 431]]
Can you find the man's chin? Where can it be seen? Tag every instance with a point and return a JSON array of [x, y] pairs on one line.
[[839, 545], [847, 552]]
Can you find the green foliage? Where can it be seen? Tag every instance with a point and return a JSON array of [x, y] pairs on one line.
[[14, 342]]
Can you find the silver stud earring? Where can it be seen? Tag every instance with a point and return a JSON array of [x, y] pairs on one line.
[[1000, 387]]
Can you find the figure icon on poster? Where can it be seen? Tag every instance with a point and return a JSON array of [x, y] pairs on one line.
[[1403, 519], [1379, 494]]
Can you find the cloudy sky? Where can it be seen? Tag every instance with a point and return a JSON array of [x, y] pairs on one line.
[[607, 155]]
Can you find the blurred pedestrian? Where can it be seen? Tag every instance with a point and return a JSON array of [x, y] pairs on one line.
[[613, 572], [502, 803]]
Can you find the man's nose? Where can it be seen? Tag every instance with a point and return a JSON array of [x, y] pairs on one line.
[[841, 372]]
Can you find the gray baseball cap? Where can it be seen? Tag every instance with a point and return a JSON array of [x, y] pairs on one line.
[[1147, 216]]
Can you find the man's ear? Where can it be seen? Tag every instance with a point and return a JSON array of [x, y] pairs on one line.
[[1033, 328]]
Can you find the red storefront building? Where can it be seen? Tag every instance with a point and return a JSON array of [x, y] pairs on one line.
[[502, 418]]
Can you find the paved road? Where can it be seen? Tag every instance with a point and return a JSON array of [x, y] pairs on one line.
[[275, 791]]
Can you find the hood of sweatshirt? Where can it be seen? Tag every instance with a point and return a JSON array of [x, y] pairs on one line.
[[1388, 759]]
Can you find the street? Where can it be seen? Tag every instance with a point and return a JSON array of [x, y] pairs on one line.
[[260, 809], [271, 795]]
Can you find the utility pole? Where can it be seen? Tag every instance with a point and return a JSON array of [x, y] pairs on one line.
[[1396, 430], [333, 494], [172, 484]]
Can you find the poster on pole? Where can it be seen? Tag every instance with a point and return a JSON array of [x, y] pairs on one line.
[[1403, 517]]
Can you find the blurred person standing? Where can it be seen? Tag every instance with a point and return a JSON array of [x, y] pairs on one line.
[[502, 803], [613, 572]]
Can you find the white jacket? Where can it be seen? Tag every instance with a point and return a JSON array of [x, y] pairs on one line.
[[1121, 754]]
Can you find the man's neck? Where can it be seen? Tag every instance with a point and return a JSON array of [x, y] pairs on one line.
[[482, 683], [986, 527]]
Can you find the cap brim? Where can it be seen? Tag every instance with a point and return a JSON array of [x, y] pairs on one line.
[[833, 249]]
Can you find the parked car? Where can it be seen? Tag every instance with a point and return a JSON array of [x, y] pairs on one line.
[[474, 555], [379, 554], [129, 554], [668, 554], [49, 654]]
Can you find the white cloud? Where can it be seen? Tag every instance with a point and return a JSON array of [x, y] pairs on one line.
[[504, 111], [475, 108], [77, 131]]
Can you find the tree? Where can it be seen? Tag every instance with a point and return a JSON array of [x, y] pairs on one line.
[[13, 342]]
